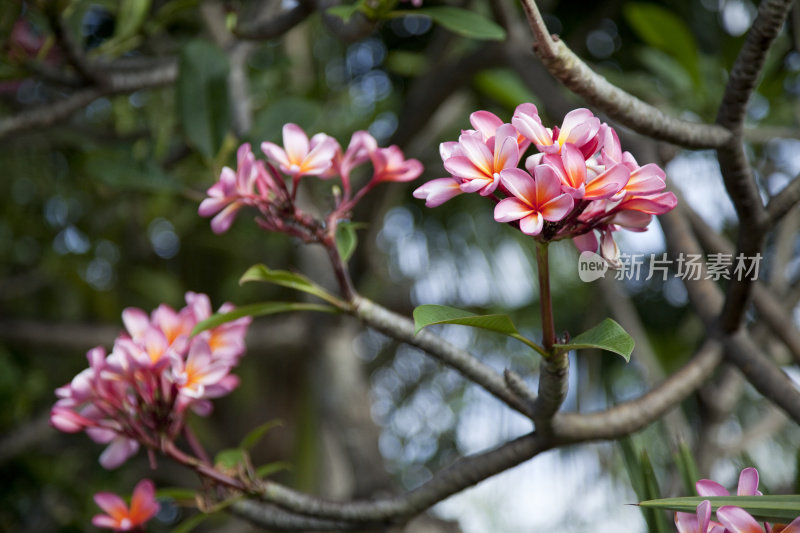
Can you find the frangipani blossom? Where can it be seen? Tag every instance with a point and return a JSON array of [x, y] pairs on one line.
[[737, 520], [299, 156], [390, 164], [579, 128], [748, 485], [119, 516], [438, 191], [534, 200], [138, 394], [700, 522], [570, 167], [478, 163], [362, 144], [235, 189]]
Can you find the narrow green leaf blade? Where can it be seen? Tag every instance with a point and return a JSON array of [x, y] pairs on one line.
[[607, 335], [428, 315], [202, 91], [255, 436], [461, 21], [285, 278], [687, 467], [658, 521], [259, 309], [771, 508]]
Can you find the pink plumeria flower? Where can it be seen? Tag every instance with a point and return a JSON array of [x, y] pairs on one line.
[[534, 200], [391, 165], [235, 189], [487, 124], [438, 191], [578, 181], [299, 156], [654, 204], [226, 340], [200, 370], [700, 522], [579, 128], [478, 163], [643, 181], [121, 518], [748, 485], [737, 520], [362, 144]]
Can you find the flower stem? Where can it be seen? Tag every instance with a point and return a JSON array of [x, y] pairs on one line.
[[545, 300]]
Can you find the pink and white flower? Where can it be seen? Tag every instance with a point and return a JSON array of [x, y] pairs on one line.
[[534, 200], [478, 163], [299, 155], [119, 516]]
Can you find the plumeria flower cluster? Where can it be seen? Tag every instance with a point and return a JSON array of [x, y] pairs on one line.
[[271, 186], [578, 183], [119, 516], [732, 519], [139, 393]]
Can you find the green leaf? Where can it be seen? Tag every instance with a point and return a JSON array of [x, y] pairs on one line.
[[259, 309], [461, 21], [230, 458], [607, 335], [344, 12], [130, 16], [783, 508], [686, 466], [270, 468], [202, 92], [255, 436], [657, 522], [346, 240], [285, 278], [504, 86], [663, 29], [428, 315]]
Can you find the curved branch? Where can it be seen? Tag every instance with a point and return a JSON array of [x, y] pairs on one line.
[[633, 415], [618, 104], [784, 201], [768, 379], [117, 83], [462, 474], [273, 517], [402, 329], [750, 61]]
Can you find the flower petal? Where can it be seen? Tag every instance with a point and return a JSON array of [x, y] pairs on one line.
[[532, 224], [748, 482], [295, 141], [737, 520], [510, 209]]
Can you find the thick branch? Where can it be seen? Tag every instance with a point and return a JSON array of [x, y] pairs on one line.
[[766, 302], [618, 104], [402, 329], [631, 416], [269, 516], [460, 475]]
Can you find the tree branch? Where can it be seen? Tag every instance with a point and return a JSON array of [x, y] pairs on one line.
[[618, 104], [784, 201], [633, 415], [462, 474], [402, 329]]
